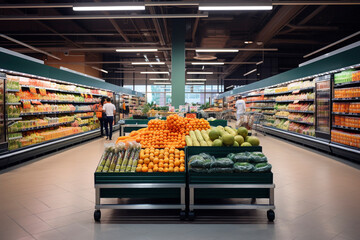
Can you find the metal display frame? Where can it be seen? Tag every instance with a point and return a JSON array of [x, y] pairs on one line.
[[98, 206]]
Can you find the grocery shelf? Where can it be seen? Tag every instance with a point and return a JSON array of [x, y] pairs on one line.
[[347, 128], [35, 150], [268, 113], [347, 84], [347, 114], [14, 119], [87, 117], [48, 113], [56, 101], [14, 138], [281, 117], [342, 150], [260, 101], [291, 91], [42, 127], [60, 90], [12, 90], [16, 103], [297, 111], [300, 122], [299, 138], [290, 101], [346, 99], [262, 107], [84, 124]]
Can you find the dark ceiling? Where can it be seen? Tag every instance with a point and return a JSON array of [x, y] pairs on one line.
[[294, 30]]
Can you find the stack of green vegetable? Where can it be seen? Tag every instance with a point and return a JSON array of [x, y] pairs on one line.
[[233, 162], [119, 158]]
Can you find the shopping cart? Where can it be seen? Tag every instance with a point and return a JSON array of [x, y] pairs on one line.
[[227, 115]]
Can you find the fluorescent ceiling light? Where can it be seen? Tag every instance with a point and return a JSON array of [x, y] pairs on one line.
[[235, 7], [207, 63], [254, 70], [147, 63], [136, 50], [200, 72], [261, 62], [217, 50], [158, 79], [196, 79], [230, 86], [154, 72], [195, 83], [162, 83], [99, 69], [108, 6]]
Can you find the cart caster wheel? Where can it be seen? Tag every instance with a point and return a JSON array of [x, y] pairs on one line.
[[191, 216], [97, 215], [271, 215], [182, 215]]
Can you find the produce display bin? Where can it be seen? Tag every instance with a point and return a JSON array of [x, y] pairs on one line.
[[136, 121], [127, 128], [219, 122], [140, 185], [229, 185]]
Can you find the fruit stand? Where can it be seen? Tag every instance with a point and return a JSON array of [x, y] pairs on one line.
[[250, 185], [218, 162]]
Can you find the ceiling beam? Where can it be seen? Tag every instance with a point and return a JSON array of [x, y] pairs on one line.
[[277, 22], [83, 17]]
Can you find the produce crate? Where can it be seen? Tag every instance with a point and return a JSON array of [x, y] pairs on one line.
[[220, 122], [140, 185], [228, 185]]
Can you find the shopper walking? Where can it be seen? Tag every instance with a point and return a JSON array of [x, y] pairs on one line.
[[240, 108], [98, 109], [109, 109]]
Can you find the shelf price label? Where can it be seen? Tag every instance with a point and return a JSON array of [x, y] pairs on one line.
[[296, 91]]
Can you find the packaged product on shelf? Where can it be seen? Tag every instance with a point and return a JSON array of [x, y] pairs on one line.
[[343, 77], [243, 167], [352, 122], [12, 82], [356, 76], [262, 167], [11, 98], [346, 138], [347, 92]]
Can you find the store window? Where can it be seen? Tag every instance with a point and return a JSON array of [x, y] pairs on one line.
[[140, 88]]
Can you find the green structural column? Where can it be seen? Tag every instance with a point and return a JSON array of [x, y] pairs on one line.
[[178, 63]]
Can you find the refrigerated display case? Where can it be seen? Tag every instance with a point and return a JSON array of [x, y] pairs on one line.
[[3, 144], [323, 106]]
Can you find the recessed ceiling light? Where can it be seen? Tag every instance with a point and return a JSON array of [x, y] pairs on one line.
[[154, 72], [248, 42], [244, 6], [196, 79], [217, 50], [200, 72], [147, 63], [136, 50], [207, 63], [162, 83], [108, 7], [254, 70]]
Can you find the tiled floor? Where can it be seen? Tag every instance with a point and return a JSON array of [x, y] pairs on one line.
[[53, 198]]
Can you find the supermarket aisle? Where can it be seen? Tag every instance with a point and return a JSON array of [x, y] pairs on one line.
[[53, 198]]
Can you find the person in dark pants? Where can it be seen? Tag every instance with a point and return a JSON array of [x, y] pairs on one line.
[[110, 110], [100, 114]]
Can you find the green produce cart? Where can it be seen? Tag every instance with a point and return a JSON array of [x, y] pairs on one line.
[[140, 185], [229, 185]]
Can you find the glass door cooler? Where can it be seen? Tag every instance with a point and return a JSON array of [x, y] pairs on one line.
[[323, 107]]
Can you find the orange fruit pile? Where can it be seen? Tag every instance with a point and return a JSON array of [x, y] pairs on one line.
[[161, 160], [170, 132]]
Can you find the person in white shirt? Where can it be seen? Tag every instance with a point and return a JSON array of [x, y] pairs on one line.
[[110, 110], [240, 108]]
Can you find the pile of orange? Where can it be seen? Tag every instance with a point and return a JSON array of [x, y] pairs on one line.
[[166, 133], [161, 160]]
